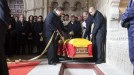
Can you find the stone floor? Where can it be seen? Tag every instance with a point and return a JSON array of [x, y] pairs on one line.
[[79, 72], [44, 69], [109, 69]]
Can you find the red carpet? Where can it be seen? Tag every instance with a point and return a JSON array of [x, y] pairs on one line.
[[21, 68]]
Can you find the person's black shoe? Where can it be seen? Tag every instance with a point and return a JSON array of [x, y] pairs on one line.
[[58, 62], [97, 62], [51, 63]]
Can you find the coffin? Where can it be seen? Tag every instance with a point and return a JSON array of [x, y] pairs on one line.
[[75, 48]]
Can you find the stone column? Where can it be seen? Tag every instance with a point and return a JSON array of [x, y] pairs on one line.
[[25, 7], [45, 6], [29, 7], [34, 7], [114, 14], [117, 40]]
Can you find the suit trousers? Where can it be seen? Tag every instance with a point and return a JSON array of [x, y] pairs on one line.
[[100, 42], [52, 50]]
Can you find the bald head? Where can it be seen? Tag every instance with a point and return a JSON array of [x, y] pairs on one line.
[[92, 11]]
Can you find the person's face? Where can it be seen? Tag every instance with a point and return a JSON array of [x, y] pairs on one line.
[[73, 19], [35, 18], [91, 12], [66, 18], [62, 17], [85, 16], [12, 15], [60, 13], [16, 19], [31, 18], [40, 19], [21, 18], [79, 18]]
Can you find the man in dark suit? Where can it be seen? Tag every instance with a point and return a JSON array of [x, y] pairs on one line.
[[99, 32], [74, 28], [4, 22], [52, 24], [89, 20]]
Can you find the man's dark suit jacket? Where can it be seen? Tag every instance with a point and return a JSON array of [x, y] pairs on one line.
[[4, 22]]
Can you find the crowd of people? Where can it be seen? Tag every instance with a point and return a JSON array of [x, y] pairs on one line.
[[30, 36], [24, 35]]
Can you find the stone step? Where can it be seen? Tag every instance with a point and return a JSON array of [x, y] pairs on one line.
[[109, 69], [44, 69], [79, 72]]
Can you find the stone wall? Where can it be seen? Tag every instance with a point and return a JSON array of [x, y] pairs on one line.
[[16, 7], [72, 7], [35, 7], [117, 40], [43, 7]]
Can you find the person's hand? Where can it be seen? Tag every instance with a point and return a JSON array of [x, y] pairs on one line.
[[56, 31], [91, 36], [40, 34], [9, 27], [122, 23], [60, 41], [71, 33], [30, 34], [23, 34], [63, 39]]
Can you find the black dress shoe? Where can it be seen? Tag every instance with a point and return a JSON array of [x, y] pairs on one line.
[[57, 62], [51, 63], [97, 62]]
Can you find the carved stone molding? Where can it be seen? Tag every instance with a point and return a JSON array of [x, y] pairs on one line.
[[73, 8], [114, 9], [25, 6]]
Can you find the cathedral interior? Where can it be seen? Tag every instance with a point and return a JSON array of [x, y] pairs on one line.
[[116, 54]]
